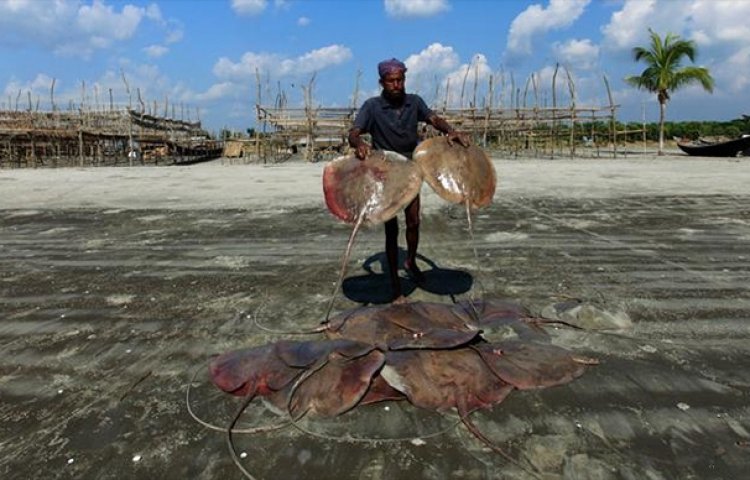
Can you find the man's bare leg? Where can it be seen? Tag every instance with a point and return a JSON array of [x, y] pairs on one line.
[[412, 240], [391, 253]]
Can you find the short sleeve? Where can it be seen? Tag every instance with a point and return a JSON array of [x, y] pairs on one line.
[[363, 119], [423, 111]]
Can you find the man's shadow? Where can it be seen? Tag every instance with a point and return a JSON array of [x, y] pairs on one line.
[[374, 287]]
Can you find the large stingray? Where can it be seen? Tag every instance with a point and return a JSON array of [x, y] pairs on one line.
[[463, 175], [271, 370], [405, 326], [431, 354], [372, 190], [458, 174], [369, 192]]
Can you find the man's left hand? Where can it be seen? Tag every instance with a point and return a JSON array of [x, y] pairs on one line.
[[459, 137]]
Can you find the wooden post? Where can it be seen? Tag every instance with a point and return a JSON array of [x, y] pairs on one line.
[[310, 120], [612, 123], [572, 90], [258, 98], [554, 110], [488, 111]]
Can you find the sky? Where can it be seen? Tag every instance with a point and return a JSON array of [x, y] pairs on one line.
[[203, 58]]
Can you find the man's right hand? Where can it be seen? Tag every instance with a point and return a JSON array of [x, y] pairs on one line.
[[361, 148]]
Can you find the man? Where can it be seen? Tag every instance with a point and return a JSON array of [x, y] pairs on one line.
[[391, 120]]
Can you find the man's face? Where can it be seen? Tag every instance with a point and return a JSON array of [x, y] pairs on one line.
[[393, 85]]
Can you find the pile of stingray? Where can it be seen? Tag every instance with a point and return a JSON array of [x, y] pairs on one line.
[[441, 357], [435, 356]]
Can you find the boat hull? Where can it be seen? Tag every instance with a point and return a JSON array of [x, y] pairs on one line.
[[720, 149]]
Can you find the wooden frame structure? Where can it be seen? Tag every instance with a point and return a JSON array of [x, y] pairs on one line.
[[522, 126], [85, 138]]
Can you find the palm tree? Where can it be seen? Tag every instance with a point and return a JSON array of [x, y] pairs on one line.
[[664, 74]]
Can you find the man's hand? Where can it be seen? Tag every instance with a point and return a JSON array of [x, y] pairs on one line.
[[362, 150], [459, 137], [451, 135]]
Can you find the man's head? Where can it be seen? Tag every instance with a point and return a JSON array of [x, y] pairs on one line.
[[390, 66], [392, 79]]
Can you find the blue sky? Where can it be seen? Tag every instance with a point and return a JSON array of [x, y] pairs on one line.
[[202, 55]]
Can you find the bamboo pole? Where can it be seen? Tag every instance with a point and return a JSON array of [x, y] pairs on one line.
[[572, 90], [52, 95], [613, 126], [309, 116], [258, 103], [488, 112], [555, 124]]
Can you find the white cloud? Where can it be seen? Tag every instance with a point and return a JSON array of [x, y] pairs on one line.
[[460, 82], [435, 58], [428, 65], [156, 51], [152, 83], [174, 36], [733, 74], [216, 92], [721, 20], [707, 22], [153, 12], [415, 8], [581, 54], [277, 65], [71, 27], [629, 26], [104, 24], [16, 93], [303, 21], [536, 20], [249, 7]]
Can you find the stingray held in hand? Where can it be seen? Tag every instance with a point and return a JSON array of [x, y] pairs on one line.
[[369, 192], [373, 189], [463, 175]]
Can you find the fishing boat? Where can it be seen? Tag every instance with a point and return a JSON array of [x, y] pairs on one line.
[[704, 148]]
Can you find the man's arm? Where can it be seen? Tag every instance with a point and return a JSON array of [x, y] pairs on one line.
[[452, 135], [361, 148]]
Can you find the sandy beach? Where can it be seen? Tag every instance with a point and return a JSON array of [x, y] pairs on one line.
[[117, 285]]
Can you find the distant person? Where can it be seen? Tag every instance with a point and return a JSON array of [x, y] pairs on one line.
[[391, 120]]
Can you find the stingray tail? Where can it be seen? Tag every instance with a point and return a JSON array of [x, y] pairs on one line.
[[344, 261], [465, 416], [230, 440], [473, 242]]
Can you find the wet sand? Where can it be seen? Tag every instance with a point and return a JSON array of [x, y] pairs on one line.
[[117, 284]]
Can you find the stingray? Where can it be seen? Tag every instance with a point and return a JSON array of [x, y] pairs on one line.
[[405, 326], [369, 192], [530, 365], [372, 190], [502, 319], [251, 372], [430, 354], [268, 369], [442, 380], [463, 175]]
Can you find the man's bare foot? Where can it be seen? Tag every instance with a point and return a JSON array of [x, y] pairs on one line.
[[414, 272]]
